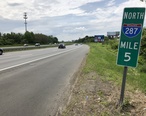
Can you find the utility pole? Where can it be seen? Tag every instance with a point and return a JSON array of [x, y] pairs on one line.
[[25, 17]]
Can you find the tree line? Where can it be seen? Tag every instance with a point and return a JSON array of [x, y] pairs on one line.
[[26, 38], [85, 39]]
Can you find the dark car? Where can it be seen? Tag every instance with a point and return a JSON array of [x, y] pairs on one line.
[[61, 46], [1, 51]]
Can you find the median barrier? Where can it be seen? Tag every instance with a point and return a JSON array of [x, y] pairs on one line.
[[9, 49]]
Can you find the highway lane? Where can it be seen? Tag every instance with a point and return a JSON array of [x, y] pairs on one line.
[[13, 59], [35, 89]]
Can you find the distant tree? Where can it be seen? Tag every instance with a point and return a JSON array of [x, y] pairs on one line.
[[55, 40], [29, 37], [86, 39], [44, 39], [143, 44], [16, 37]]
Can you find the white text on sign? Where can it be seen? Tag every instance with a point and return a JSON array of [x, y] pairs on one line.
[[134, 15], [128, 45]]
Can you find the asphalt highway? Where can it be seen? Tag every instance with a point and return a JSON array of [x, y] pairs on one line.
[[32, 82]]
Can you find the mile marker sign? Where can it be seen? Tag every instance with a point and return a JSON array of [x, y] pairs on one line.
[[131, 31]]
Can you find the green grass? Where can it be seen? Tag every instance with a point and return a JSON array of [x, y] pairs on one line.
[[102, 59]]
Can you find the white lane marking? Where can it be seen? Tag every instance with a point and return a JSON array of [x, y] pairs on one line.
[[35, 60]]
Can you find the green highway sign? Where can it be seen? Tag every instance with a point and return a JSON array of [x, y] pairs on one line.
[[130, 39]]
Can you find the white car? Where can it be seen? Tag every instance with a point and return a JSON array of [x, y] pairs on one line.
[[25, 44], [37, 44]]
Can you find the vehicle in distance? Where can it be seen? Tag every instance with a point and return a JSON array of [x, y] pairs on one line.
[[1, 51], [25, 44], [37, 44], [61, 45]]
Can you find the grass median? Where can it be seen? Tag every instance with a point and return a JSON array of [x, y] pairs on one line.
[[102, 59]]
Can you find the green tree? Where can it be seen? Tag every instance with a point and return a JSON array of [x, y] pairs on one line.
[[29, 37]]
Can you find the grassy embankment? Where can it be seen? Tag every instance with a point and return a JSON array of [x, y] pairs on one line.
[[97, 89], [102, 59]]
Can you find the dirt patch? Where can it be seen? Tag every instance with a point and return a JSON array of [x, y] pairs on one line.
[[94, 96]]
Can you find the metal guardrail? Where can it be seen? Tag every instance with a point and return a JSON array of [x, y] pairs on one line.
[[8, 49]]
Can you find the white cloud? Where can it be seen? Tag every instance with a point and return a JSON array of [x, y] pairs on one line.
[[80, 28], [64, 19], [111, 3], [40, 8]]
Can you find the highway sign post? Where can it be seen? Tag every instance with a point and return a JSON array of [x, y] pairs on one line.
[[130, 39]]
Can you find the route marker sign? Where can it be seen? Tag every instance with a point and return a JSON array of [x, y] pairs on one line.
[[130, 39]]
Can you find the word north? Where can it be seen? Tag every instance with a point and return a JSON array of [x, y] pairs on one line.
[[134, 15]]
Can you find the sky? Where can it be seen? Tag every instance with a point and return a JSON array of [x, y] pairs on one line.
[[65, 19]]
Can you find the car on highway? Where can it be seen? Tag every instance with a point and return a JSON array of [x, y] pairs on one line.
[[1, 51], [25, 45], [62, 45], [37, 44]]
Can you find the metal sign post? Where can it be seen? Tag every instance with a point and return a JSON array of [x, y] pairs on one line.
[[123, 86]]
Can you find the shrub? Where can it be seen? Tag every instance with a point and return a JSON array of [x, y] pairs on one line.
[[143, 69], [114, 44], [141, 60]]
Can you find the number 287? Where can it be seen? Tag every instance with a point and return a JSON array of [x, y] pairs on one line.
[[131, 30]]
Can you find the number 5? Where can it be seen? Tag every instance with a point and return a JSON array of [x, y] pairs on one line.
[[127, 56]]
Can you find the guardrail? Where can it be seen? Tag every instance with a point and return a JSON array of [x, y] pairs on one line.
[[9, 49]]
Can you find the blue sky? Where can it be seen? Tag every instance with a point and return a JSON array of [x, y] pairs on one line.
[[65, 19]]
